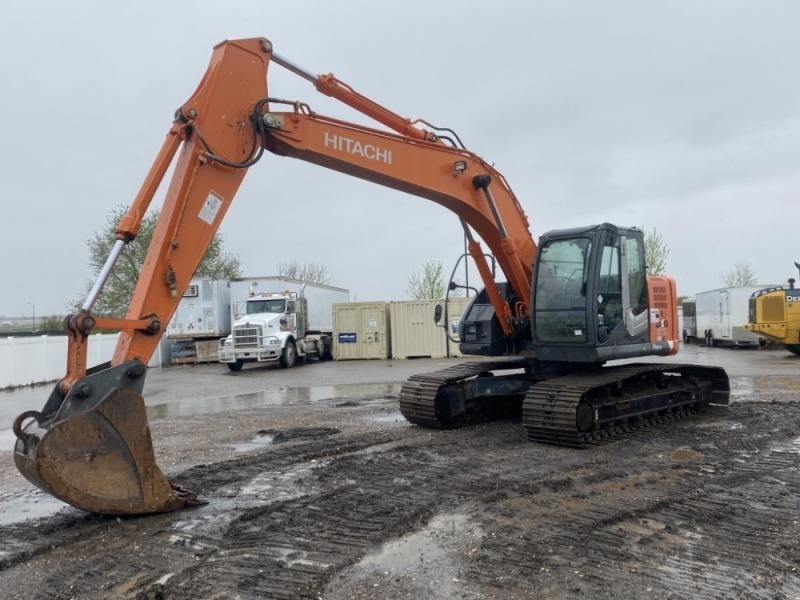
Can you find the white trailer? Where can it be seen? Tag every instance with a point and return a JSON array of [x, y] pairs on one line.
[[203, 312], [203, 317], [279, 319], [689, 326], [721, 315]]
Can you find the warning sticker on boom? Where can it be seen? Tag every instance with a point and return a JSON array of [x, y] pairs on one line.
[[210, 208]]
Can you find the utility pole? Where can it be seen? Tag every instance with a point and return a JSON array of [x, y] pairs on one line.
[[33, 326]]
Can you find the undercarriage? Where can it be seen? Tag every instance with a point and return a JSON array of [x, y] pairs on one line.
[[568, 405]]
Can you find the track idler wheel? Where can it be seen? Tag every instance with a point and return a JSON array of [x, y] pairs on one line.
[[97, 457]]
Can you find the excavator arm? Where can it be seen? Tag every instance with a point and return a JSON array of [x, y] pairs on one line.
[[452, 177], [90, 446]]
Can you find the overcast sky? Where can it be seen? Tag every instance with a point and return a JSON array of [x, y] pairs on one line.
[[682, 116]]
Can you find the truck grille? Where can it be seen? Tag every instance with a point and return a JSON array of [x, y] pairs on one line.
[[246, 336]]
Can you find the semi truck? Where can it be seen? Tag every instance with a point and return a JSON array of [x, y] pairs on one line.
[[290, 323], [721, 316]]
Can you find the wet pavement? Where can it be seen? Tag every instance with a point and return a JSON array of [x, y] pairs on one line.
[[184, 391]]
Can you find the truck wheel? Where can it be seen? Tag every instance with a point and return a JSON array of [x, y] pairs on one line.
[[236, 366], [327, 349], [289, 356], [793, 348]]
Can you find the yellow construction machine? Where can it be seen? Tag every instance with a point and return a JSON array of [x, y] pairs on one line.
[[775, 314]]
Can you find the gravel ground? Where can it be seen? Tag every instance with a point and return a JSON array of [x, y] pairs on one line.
[[318, 488]]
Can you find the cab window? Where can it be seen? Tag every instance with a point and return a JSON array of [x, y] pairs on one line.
[[560, 297]]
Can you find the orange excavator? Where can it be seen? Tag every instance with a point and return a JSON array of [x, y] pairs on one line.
[[580, 299]]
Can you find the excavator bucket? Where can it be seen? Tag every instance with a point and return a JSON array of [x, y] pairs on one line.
[[96, 455]]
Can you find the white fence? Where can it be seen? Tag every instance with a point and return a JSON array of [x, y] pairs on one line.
[[30, 360]]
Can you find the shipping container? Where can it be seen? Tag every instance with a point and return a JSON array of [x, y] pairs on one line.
[[321, 298], [721, 315], [414, 334], [361, 330]]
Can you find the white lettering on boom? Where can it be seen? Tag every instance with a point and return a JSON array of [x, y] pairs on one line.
[[356, 148]]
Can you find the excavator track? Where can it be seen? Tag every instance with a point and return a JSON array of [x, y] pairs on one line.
[[427, 399], [582, 409]]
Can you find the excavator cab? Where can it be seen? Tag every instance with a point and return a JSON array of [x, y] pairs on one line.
[[591, 298], [590, 302]]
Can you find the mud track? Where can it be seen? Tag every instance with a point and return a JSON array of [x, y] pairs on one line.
[[370, 507]]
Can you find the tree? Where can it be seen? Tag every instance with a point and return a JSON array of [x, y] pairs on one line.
[[116, 295], [51, 323], [655, 252], [311, 272], [428, 284], [741, 275]]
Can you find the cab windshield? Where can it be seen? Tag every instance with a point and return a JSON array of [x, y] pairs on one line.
[[560, 302], [266, 306]]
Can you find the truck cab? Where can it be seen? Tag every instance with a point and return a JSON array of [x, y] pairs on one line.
[[272, 328]]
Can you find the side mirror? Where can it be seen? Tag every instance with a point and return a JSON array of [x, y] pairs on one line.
[[437, 313], [453, 286]]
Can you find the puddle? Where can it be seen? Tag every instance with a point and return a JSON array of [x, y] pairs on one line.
[[792, 447], [14, 402], [393, 417], [418, 560], [256, 443], [290, 483], [761, 388], [742, 387], [27, 504], [210, 521], [272, 397], [417, 547], [7, 440]]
